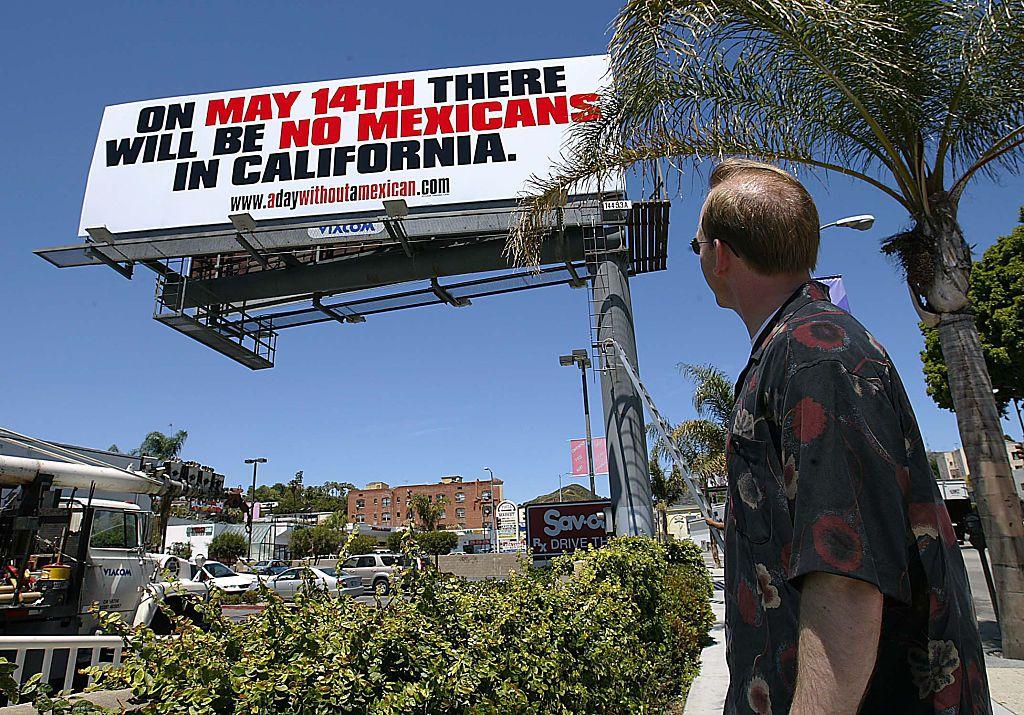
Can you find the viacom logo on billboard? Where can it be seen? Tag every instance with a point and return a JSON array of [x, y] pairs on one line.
[[342, 231], [562, 527]]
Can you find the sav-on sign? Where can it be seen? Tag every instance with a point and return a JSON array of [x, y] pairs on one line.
[[562, 527]]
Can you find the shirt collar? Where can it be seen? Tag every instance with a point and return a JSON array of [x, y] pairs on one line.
[[760, 331], [807, 293]]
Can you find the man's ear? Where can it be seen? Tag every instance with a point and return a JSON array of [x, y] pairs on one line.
[[723, 258]]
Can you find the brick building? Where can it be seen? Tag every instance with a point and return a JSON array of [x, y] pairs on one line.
[[468, 505]]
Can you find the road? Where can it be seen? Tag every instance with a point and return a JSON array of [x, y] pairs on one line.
[[987, 626]]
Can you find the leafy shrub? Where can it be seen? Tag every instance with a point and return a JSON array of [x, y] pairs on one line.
[[361, 544], [396, 541], [319, 540], [607, 631], [437, 543], [227, 547]]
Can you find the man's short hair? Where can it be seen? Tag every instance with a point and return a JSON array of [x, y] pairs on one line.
[[764, 214]]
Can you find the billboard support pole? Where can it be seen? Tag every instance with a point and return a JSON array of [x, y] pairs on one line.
[[628, 480]]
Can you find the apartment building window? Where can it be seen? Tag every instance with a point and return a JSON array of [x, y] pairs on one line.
[[360, 503], [487, 511], [460, 496], [486, 495], [386, 501], [460, 513], [443, 515], [439, 496], [386, 517], [409, 515], [361, 518]]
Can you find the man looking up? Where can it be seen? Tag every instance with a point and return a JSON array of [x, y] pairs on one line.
[[845, 588]]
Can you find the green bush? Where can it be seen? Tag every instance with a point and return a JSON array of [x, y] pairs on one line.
[[437, 543], [361, 544], [227, 547], [618, 631]]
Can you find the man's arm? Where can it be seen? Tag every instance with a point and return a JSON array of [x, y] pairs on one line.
[[840, 621]]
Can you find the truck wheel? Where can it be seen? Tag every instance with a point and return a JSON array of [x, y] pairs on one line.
[[381, 587]]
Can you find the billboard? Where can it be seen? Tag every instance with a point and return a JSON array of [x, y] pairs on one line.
[[562, 527], [450, 136], [578, 454]]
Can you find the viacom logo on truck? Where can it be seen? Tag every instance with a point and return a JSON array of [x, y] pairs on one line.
[[563, 527]]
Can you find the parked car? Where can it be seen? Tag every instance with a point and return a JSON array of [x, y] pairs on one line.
[[270, 568], [288, 582], [377, 570], [216, 574]]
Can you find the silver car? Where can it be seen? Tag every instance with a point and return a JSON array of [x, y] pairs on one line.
[[377, 570], [287, 583]]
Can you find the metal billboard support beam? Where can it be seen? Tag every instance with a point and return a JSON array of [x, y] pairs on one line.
[[626, 438]]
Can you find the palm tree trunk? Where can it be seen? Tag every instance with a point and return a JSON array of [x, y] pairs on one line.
[[981, 434]]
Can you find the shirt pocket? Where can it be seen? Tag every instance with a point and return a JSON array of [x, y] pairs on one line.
[[750, 488]]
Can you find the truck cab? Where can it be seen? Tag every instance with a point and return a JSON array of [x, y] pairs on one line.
[[74, 554]]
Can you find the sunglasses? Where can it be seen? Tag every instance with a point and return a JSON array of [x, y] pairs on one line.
[[695, 245]]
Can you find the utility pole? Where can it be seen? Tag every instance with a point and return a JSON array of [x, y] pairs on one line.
[[255, 462], [1016, 405], [580, 357], [494, 516], [625, 434]]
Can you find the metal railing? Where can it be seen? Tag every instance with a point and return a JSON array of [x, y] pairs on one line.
[[60, 658]]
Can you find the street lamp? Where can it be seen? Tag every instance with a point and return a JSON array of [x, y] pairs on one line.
[[861, 222], [1016, 405], [580, 357], [494, 515], [562, 474], [255, 464]]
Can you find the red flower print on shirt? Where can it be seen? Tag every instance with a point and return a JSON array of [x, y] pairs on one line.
[[747, 602], [758, 697], [837, 543], [808, 420], [823, 336]]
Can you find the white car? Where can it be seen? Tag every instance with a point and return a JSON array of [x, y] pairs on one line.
[[216, 574], [287, 583]]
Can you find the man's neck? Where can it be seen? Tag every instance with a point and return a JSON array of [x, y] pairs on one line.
[[763, 295]]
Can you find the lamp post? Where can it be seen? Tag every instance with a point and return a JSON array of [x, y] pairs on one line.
[[861, 222], [494, 516], [561, 474], [1016, 406], [255, 462], [580, 357]]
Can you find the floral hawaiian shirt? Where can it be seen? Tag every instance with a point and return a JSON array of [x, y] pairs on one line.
[[828, 473]]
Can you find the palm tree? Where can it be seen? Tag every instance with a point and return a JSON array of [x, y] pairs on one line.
[[913, 97], [702, 440], [666, 490], [427, 511], [162, 446]]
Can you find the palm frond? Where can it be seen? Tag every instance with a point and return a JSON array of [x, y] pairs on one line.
[[893, 93]]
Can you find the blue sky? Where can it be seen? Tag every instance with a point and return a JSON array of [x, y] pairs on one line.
[[403, 398]]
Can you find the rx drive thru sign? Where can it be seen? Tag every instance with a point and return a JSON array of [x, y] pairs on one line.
[[562, 527]]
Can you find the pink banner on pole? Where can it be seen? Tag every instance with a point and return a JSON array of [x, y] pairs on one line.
[[578, 452]]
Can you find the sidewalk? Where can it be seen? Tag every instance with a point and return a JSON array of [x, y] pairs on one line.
[[707, 693]]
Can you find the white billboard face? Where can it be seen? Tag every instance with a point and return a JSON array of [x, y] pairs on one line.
[[438, 137]]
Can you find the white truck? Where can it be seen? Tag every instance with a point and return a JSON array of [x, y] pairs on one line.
[[64, 551]]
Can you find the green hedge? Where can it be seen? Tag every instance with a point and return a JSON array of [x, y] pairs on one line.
[[614, 630]]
